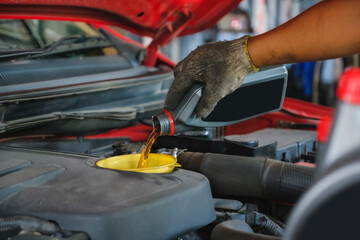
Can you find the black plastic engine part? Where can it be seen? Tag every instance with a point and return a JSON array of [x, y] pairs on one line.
[[106, 204], [250, 177], [292, 145], [227, 204], [32, 228], [237, 230], [213, 146], [99, 147], [122, 147], [281, 144], [259, 223]]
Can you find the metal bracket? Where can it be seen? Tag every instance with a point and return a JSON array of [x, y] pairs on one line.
[[165, 34]]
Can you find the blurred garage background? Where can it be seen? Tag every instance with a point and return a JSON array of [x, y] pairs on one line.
[[311, 81]]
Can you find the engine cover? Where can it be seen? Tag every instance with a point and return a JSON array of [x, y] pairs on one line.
[[106, 204]]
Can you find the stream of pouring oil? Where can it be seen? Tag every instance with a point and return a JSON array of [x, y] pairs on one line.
[[146, 150]]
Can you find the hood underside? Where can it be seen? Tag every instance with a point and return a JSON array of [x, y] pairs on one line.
[[139, 16]]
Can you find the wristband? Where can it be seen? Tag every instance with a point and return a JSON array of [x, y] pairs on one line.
[[248, 55]]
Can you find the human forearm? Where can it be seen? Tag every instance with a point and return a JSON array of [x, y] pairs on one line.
[[327, 30]]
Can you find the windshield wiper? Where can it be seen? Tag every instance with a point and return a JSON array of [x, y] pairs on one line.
[[75, 39], [74, 43], [118, 114]]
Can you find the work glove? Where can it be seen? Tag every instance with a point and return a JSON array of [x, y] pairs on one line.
[[220, 67]]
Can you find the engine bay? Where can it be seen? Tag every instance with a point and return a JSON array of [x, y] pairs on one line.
[[79, 196], [56, 179]]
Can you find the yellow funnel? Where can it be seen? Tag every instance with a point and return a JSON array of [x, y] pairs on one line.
[[156, 163]]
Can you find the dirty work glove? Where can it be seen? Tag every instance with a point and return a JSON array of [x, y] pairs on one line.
[[220, 66]]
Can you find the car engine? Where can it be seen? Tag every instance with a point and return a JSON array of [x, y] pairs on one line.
[[51, 188]]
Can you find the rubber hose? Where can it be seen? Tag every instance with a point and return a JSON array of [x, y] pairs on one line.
[[231, 175], [264, 224], [28, 223], [273, 229]]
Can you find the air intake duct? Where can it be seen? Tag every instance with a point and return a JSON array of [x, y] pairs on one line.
[[250, 176]]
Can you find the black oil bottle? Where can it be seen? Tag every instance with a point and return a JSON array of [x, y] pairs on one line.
[[260, 93]]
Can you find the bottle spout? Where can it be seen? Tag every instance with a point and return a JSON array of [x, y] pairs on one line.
[[164, 123]]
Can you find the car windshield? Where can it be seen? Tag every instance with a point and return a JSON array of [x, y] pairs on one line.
[[35, 53], [21, 35]]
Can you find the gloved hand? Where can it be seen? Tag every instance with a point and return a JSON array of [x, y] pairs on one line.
[[220, 66]]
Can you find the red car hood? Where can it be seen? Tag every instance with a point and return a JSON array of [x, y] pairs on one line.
[[162, 20], [139, 16]]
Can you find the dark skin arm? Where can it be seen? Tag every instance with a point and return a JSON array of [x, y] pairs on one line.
[[329, 29]]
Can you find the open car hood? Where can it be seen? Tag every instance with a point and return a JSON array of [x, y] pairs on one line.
[[161, 20], [139, 16]]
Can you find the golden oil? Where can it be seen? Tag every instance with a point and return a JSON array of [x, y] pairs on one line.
[[146, 150]]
